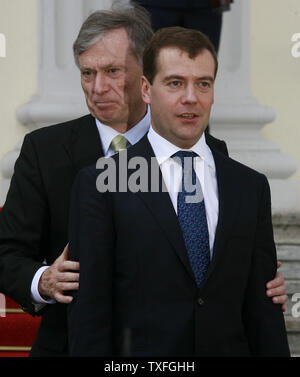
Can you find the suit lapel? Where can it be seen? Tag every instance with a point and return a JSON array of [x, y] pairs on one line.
[[161, 207], [83, 145]]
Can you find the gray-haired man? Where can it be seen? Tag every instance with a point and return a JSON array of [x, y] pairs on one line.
[[34, 220]]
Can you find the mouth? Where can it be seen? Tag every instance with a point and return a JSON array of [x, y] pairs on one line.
[[188, 116], [104, 104]]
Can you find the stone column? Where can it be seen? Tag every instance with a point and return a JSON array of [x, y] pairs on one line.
[[238, 117], [59, 96]]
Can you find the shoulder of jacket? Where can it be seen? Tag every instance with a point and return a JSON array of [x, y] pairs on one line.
[[58, 130]]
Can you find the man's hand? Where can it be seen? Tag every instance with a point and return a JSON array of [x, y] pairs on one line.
[[62, 275], [276, 289]]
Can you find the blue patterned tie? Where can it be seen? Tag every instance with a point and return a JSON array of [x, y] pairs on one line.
[[192, 217]]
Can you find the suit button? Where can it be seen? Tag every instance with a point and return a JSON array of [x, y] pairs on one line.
[[200, 301]]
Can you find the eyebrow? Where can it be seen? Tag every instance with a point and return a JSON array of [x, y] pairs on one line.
[[178, 77]]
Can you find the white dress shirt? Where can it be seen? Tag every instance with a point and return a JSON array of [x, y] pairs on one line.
[[106, 136], [205, 170], [107, 133]]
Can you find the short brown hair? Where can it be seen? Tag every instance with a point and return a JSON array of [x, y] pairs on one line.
[[191, 41]]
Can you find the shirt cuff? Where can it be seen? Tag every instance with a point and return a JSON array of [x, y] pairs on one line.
[[35, 295]]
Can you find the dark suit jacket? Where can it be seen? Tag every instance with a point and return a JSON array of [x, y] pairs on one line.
[[33, 222], [34, 219], [184, 4], [138, 295], [203, 15]]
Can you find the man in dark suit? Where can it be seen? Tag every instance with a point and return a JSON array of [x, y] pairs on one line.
[[154, 262], [203, 15], [33, 222]]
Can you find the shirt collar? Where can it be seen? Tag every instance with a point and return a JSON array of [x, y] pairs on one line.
[[133, 135], [163, 149]]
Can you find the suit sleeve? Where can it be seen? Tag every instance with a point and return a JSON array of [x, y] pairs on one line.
[[23, 224], [91, 241], [264, 321]]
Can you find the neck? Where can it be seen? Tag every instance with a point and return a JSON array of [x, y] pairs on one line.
[[136, 117], [132, 120]]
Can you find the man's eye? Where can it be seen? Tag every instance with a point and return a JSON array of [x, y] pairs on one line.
[[112, 70], [86, 73], [175, 83], [204, 84]]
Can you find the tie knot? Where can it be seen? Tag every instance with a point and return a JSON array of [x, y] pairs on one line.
[[184, 154], [119, 143]]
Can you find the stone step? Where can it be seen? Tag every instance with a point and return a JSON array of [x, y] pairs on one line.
[[292, 324], [289, 255], [293, 333], [290, 252], [292, 285], [287, 238]]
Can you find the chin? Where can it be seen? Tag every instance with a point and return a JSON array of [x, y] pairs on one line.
[[106, 116], [190, 136]]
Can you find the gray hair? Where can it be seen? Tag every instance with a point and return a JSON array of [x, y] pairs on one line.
[[133, 18]]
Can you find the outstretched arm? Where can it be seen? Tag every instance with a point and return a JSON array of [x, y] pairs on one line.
[[23, 227]]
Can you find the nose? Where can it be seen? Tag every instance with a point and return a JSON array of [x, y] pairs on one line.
[[101, 84], [189, 95]]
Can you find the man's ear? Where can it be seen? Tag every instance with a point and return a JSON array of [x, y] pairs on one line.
[[145, 88]]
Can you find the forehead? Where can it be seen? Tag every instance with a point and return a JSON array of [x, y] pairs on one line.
[[173, 61], [112, 48]]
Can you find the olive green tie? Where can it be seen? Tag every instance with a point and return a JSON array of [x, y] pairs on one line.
[[119, 143]]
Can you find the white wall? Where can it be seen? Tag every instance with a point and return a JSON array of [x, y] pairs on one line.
[[18, 81], [275, 73]]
